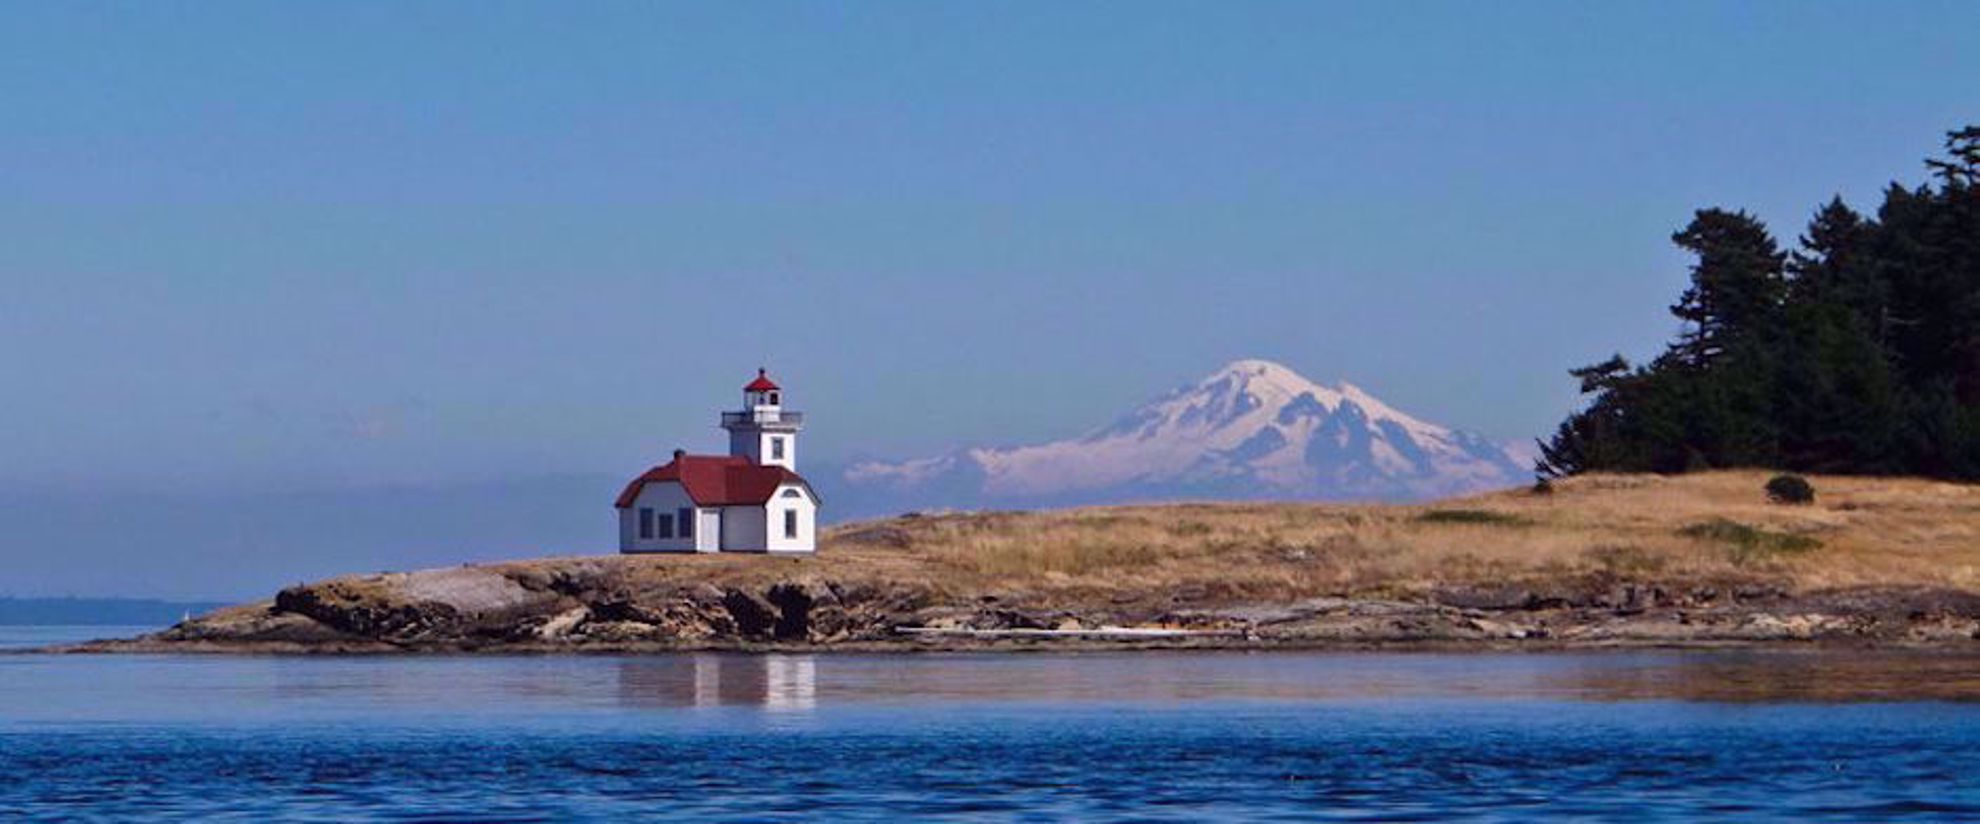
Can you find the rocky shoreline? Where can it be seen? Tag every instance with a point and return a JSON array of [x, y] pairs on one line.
[[1699, 560], [591, 605]]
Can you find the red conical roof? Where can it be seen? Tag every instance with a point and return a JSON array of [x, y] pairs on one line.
[[761, 384]]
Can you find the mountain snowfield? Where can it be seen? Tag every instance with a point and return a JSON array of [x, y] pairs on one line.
[[1253, 430]]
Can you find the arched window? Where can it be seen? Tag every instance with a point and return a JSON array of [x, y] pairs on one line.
[[792, 493]]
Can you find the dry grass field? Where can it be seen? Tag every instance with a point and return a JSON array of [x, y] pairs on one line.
[[1711, 528], [1705, 527]]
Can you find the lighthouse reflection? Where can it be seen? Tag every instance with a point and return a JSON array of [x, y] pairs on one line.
[[782, 683]]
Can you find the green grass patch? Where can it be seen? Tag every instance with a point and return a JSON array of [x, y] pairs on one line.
[[1189, 529], [1073, 557], [1471, 516], [1624, 560], [1747, 543]]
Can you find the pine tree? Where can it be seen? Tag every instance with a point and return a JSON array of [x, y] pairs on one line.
[[1836, 402], [1737, 285], [1830, 267], [1588, 439]]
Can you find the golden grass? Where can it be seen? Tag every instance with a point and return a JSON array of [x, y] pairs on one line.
[[1714, 526], [1706, 528]]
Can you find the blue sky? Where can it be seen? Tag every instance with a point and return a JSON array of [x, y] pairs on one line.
[[384, 243]]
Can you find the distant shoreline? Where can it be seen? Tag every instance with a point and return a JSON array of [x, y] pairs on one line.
[[70, 611]]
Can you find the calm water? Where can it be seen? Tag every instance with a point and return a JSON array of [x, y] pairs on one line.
[[1181, 737]]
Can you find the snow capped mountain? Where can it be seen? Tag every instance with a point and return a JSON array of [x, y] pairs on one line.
[[1254, 429]]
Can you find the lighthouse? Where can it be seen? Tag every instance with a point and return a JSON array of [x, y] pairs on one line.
[[750, 500], [763, 431]]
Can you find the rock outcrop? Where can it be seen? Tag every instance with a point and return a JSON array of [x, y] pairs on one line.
[[582, 605]]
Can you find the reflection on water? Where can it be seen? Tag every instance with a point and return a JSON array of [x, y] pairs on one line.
[[1822, 677], [776, 682], [566, 690], [800, 682]]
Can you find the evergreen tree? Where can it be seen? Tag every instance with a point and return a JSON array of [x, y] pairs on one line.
[[1829, 266], [1737, 285], [1582, 441], [1837, 404], [1859, 352]]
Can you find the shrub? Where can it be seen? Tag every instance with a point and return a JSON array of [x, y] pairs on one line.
[[1749, 543], [1790, 489], [1543, 486], [1623, 559], [1471, 516], [1189, 529]]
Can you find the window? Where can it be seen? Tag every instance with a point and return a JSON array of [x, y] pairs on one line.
[[790, 523], [645, 523], [773, 399], [792, 493], [666, 524], [687, 523], [776, 448]]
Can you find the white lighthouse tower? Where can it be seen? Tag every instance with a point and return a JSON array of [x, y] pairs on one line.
[[764, 431]]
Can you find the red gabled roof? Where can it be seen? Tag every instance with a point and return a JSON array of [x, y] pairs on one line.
[[762, 383], [715, 480]]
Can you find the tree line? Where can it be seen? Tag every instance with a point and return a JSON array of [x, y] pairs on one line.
[[1857, 352]]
